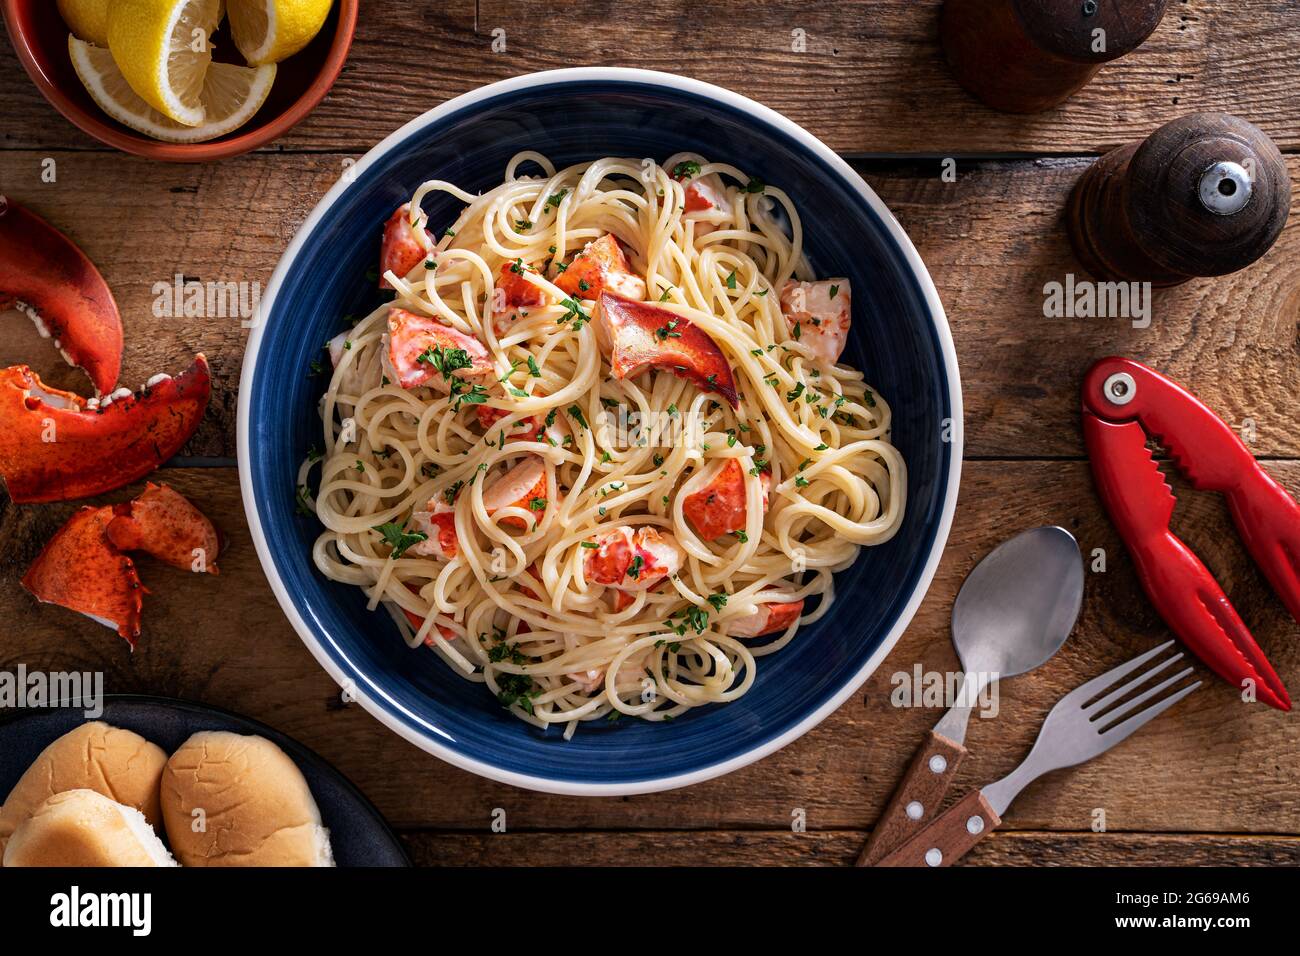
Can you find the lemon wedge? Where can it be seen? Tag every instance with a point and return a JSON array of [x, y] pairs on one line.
[[267, 31], [230, 96], [163, 49], [88, 19]]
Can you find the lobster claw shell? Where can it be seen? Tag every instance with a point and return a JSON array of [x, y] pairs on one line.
[[55, 446], [163, 523], [81, 570], [45, 273]]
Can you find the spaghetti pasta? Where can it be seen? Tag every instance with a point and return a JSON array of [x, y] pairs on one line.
[[600, 439]]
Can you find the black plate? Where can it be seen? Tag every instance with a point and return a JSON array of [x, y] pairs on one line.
[[358, 834]]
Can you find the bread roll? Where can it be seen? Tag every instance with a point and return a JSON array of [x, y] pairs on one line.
[[116, 763], [85, 828], [231, 800]]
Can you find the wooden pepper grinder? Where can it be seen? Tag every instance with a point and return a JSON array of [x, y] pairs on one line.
[[1205, 195], [1026, 56]]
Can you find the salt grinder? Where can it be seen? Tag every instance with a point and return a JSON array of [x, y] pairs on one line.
[[1026, 56], [1204, 195]]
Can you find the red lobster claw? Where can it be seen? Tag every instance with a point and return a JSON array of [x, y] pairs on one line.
[[163, 523], [55, 446], [43, 273], [81, 570]]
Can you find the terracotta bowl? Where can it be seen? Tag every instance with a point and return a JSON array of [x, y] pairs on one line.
[[40, 38]]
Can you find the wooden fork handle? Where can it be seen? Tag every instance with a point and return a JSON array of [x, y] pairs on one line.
[[950, 837], [917, 799]]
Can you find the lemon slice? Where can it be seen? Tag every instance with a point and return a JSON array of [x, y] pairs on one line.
[[88, 19], [267, 31], [163, 48], [231, 95]]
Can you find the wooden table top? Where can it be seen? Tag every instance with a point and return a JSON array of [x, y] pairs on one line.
[[1208, 783]]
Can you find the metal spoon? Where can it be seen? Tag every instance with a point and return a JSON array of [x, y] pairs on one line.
[[1014, 611]]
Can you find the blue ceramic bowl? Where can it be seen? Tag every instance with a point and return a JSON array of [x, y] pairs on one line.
[[900, 339]]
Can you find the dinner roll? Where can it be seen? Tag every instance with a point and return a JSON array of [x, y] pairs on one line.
[[113, 762], [231, 800], [85, 828]]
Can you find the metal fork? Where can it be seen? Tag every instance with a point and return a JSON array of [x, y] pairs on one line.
[[1084, 723]]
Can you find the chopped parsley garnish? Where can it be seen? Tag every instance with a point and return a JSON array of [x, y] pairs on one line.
[[573, 311], [686, 169], [668, 331], [576, 414], [533, 370], [517, 689], [554, 200], [444, 360], [795, 392], [398, 538], [731, 280], [755, 185], [719, 601]]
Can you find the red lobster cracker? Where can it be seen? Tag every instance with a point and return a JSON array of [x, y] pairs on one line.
[[1124, 405], [43, 272]]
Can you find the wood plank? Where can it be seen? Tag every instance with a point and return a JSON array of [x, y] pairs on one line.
[[992, 240], [834, 848], [872, 78], [1210, 766]]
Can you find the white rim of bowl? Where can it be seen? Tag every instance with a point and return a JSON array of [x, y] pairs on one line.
[[920, 274]]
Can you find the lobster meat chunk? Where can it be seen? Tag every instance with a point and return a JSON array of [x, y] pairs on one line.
[[162, 522], [45, 275], [522, 487], [401, 250], [601, 267], [642, 336], [514, 296], [438, 524], [631, 559], [56, 446], [819, 313], [719, 507], [770, 618], [423, 351], [81, 570]]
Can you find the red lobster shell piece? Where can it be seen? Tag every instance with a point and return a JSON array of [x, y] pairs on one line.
[[81, 570], [163, 523], [43, 270], [54, 446], [646, 336]]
